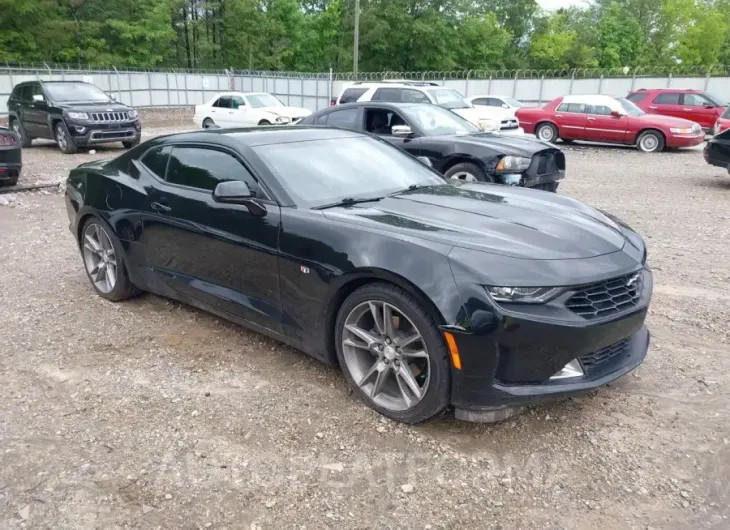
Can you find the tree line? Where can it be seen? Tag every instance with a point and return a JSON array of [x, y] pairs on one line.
[[395, 35]]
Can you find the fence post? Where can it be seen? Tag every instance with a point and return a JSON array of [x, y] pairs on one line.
[[301, 90], [572, 78], [185, 79], [131, 95], [514, 84], [149, 86], [119, 85], [633, 82], [167, 88], [466, 84], [707, 79], [669, 80], [109, 80], [330, 89], [600, 83], [489, 85], [539, 95]]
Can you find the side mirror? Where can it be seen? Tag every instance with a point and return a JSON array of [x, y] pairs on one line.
[[425, 161], [403, 131], [39, 98], [505, 106], [238, 192], [112, 97], [616, 113]]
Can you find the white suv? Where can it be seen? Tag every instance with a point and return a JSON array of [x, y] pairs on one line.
[[491, 119]]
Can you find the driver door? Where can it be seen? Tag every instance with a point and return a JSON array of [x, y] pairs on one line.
[[602, 126], [239, 113], [380, 121], [218, 254]]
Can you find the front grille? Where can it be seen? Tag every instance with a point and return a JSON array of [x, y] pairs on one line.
[[609, 297], [109, 117], [507, 125], [591, 360], [547, 164]]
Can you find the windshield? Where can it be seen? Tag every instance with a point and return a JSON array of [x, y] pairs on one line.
[[513, 102], [320, 172], [75, 92], [630, 108], [437, 121], [717, 100], [263, 100], [448, 99]]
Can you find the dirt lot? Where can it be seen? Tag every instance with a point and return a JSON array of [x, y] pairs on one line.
[[149, 414]]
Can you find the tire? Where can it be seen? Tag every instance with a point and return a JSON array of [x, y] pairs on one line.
[[207, 123], [17, 126], [122, 287], [547, 132], [133, 143], [63, 139], [427, 354], [650, 142], [264, 123], [468, 172], [567, 141], [12, 182]]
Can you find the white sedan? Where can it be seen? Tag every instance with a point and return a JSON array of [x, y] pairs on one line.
[[243, 109], [503, 102]]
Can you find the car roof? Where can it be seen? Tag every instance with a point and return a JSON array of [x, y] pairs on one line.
[[394, 84], [686, 90], [590, 99], [256, 136]]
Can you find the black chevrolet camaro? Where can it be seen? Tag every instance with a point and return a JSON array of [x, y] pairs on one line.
[[454, 147], [427, 292]]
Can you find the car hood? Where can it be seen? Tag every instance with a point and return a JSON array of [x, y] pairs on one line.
[[494, 113], [93, 106], [493, 218], [508, 144], [667, 121], [288, 112]]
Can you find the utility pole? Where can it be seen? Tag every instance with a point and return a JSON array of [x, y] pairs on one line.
[[357, 37]]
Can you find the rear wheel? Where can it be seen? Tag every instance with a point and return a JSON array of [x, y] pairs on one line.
[[63, 139], [208, 123], [547, 132], [19, 130], [264, 123], [650, 142], [392, 353], [103, 258], [468, 172]]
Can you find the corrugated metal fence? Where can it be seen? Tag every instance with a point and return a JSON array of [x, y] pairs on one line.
[[313, 90]]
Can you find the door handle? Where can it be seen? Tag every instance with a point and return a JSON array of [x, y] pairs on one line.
[[160, 208], [591, 119], [558, 115], [652, 107], [686, 108]]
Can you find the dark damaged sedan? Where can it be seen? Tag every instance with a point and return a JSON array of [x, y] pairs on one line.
[[453, 146], [426, 292]]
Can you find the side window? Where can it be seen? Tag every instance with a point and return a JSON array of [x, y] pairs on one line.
[[19, 93], [575, 108], [34, 90], [494, 102], [413, 96], [322, 120], [600, 110], [697, 100], [223, 102], [343, 118], [667, 98], [636, 97], [202, 168], [237, 102], [156, 160], [387, 94], [480, 101], [351, 95], [381, 121]]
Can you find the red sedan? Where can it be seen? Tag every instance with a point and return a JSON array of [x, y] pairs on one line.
[[597, 118]]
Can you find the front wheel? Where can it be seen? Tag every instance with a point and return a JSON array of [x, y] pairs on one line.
[[468, 172], [264, 123], [103, 258], [392, 353], [650, 142], [131, 143], [63, 139]]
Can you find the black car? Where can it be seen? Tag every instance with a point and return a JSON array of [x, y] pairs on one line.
[[72, 113], [10, 158], [456, 148], [427, 292], [717, 150]]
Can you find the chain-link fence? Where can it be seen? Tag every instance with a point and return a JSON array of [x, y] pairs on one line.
[[183, 88]]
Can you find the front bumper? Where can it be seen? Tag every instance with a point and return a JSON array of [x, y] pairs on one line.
[[519, 131], [685, 140], [508, 358], [87, 134]]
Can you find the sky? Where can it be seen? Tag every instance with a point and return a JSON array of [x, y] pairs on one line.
[[556, 4]]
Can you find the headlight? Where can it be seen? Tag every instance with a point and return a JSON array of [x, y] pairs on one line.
[[132, 114], [488, 125], [524, 295], [78, 115], [513, 164], [282, 119], [686, 130]]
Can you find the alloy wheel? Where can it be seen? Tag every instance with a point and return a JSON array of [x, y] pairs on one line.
[[99, 258], [16, 130], [386, 355], [61, 137], [464, 176], [649, 143], [545, 134]]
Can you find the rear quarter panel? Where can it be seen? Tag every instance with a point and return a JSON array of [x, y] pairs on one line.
[[529, 117]]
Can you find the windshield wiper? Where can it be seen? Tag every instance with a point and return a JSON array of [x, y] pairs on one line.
[[347, 201]]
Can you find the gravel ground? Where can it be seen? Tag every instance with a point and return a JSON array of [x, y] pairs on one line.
[[150, 414]]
